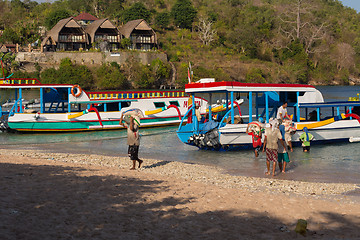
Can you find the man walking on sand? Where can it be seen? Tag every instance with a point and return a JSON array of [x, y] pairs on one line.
[[133, 139], [272, 136]]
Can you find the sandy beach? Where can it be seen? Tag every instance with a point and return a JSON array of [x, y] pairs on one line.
[[75, 196]]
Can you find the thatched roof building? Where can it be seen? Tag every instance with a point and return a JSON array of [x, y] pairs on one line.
[[67, 35], [103, 30], [142, 36]]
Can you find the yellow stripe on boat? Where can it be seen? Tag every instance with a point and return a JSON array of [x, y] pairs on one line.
[[75, 115], [217, 109], [300, 126], [153, 111]]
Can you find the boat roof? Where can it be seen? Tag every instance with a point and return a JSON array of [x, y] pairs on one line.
[[330, 104], [246, 87]]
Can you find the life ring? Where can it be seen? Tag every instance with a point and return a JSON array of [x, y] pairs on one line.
[[76, 91]]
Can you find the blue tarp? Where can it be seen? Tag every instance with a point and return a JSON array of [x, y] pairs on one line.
[[209, 125]]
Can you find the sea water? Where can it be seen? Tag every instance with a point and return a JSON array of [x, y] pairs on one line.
[[334, 162]]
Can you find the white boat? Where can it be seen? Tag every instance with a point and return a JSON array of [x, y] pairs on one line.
[[335, 121], [65, 107]]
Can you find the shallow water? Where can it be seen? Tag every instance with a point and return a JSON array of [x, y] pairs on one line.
[[324, 163]]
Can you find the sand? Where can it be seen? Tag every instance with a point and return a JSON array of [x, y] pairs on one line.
[[68, 196]]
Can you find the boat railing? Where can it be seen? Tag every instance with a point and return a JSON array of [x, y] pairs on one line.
[[185, 116], [221, 124], [26, 81], [132, 95], [13, 108]]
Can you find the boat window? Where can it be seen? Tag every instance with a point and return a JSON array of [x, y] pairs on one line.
[[176, 103], [114, 106], [125, 104], [290, 97], [159, 104]]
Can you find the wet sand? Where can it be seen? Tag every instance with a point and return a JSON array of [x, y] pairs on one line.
[[77, 196]]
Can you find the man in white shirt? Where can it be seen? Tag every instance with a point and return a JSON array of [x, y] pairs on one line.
[[282, 112]]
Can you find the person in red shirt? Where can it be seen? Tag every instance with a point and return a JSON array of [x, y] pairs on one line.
[[256, 133]]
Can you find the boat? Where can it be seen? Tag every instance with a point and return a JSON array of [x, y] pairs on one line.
[[334, 121], [67, 107]]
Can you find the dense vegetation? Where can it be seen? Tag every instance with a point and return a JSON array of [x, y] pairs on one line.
[[292, 41]]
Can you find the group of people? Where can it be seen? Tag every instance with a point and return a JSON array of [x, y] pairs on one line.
[[277, 140]]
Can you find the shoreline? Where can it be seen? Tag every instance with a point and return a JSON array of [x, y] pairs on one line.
[[49, 195], [204, 174]]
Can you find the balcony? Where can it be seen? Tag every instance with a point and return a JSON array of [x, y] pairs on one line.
[[142, 39], [109, 38], [72, 38]]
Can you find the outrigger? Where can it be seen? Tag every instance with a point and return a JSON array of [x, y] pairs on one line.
[[334, 121]]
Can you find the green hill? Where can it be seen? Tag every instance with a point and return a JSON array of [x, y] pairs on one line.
[[288, 41]]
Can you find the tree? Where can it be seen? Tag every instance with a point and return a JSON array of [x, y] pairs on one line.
[[136, 11], [252, 26], [300, 23], [162, 19], [183, 13], [7, 62], [205, 31], [69, 73], [55, 16], [125, 43], [161, 71], [10, 35], [345, 56], [109, 76]]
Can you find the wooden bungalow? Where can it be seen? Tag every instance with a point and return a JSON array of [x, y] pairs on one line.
[[142, 36], [103, 31], [66, 35]]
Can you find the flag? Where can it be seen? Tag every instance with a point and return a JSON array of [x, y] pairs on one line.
[[189, 78], [191, 72]]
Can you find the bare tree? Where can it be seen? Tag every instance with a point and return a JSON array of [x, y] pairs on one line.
[[345, 56], [299, 23], [206, 32]]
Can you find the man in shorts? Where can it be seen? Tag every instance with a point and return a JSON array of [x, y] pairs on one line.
[[283, 157], [272, 136]]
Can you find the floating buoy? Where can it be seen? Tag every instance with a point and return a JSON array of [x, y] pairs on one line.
[[76, 91]]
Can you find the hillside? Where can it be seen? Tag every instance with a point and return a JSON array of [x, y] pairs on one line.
[[290, 41]]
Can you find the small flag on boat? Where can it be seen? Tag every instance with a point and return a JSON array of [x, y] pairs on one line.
[[190, 73], [189, 78]]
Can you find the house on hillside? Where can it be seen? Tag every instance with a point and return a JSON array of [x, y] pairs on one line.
[[9, 48], [103, 34], [66, 35], [142, 36], [85, 19]]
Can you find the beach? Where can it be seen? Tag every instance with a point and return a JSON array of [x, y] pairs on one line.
[[47, 195]]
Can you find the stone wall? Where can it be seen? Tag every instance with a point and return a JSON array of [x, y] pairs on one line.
[[88, 58]]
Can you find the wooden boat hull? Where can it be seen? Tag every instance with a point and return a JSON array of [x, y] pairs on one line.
[[55, 122], [235, 134]]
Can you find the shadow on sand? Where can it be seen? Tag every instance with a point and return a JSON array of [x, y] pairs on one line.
[[53, 202]]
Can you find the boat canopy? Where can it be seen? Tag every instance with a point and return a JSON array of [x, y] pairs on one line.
[[330, 104], [306, 93]]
